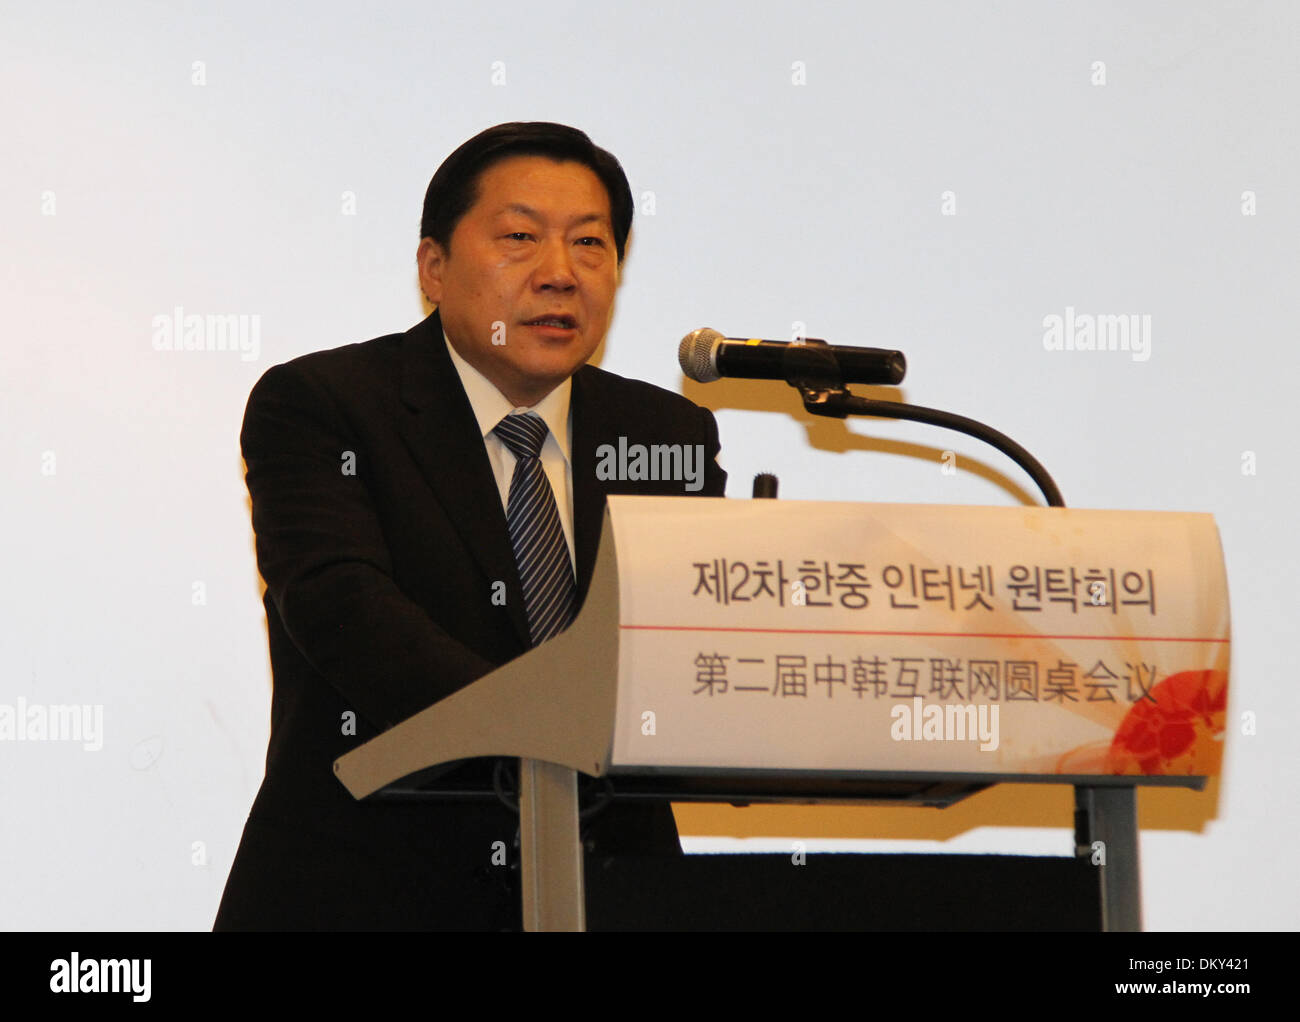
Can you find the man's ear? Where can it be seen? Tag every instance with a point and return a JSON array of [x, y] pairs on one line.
[[430, 258]]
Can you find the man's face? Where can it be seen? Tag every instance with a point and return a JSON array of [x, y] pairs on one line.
[[526, 292]]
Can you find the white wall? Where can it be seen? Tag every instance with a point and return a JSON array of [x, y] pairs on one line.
[[161, 155]]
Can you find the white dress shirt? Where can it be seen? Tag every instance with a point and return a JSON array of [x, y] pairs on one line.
[[491, 406]]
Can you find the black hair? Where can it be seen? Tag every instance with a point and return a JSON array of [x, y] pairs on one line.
[[454, 188]]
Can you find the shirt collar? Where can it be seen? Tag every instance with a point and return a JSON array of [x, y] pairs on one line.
[[491, 406]]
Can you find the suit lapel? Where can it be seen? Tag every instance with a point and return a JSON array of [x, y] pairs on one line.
[[438, 426], [589, 431]]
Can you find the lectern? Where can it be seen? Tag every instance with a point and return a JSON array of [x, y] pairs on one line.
[[788, 651]]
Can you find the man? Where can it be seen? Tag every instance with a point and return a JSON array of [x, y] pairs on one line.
[[396, 484]]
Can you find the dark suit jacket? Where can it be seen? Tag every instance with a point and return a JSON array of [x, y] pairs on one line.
[[380, 533]]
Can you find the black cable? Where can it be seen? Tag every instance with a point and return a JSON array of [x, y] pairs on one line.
[[508, 798], [506, 787]]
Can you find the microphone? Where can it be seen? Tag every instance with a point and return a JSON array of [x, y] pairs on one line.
[[705, 355]]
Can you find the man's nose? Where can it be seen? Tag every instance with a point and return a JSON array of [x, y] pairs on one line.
[[555, 266]]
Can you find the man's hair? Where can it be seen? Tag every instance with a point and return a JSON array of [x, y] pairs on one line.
[[454, 188]]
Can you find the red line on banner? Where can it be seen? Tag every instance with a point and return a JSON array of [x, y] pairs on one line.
[[940, 635]]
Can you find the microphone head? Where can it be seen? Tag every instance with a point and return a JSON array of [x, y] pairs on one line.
[[696, 354]]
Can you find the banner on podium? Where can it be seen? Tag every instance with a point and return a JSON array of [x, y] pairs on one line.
[[893, 637]]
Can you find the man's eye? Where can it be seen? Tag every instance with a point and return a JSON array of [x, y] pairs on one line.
[[519, 236], [591, 242]]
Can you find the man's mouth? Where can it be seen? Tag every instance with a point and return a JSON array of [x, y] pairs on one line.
[[557, 322]]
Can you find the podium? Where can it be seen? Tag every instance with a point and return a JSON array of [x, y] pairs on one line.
[[569, 706]]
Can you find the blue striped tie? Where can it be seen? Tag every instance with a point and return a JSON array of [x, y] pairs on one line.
[[541, 553]]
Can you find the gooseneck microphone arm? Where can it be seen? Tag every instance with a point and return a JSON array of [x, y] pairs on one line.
[[811, 368], [813, 372], [843, 404]]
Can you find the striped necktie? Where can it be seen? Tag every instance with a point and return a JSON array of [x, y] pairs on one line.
[[541, 553]]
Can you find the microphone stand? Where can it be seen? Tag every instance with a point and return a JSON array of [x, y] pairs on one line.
[[813, 371]]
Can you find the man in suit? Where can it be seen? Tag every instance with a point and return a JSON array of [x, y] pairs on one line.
[[395, 493]]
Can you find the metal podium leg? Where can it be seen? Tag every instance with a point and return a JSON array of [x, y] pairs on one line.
[[550, 848], [1106, 833]]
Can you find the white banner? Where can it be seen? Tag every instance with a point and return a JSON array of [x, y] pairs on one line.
[[771, 634]]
